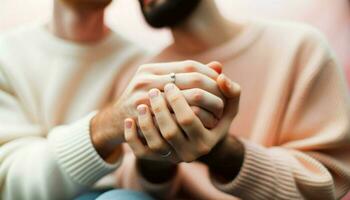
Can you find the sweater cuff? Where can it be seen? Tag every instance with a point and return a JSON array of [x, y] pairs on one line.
[[76, 153], [257, 177]]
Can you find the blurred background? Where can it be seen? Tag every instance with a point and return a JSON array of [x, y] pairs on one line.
[[332, 17]]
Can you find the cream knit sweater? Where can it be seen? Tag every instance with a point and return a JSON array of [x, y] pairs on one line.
[[49, 89]]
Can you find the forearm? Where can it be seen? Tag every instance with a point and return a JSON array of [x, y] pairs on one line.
[[32, 169], [156, 171], [104, 127], [277, 173], [225, 159], [129, 177], [57, 167]]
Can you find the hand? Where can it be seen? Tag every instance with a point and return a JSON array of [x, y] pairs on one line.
[[187, 146], [197, 82]]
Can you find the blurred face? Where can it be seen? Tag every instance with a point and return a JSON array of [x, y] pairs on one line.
[[88, 4], [167, 13]]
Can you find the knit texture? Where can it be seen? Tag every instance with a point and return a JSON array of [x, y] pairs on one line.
[[293, 118], [49, 88]]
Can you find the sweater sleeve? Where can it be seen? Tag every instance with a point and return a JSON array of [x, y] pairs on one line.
[[36, 167], [310, 156]]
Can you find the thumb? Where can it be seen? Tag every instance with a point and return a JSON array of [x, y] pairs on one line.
[[215, 65], [228, 88], [231, 91]]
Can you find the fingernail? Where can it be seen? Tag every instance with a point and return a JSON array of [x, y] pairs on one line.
[[169, 87], [128, 124], [217, 66], [142, 110], [228, 83], [237, 87], [153, 93]]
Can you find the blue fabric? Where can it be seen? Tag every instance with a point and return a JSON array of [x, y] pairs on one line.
[[115, 195], [92, 195], [124, 195]]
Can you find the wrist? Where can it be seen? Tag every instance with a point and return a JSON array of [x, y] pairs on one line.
[[104, 135], [156, 171], [225, 159]]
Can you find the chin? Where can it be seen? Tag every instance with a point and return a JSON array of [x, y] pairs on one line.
[[88, 4], [167, 13]]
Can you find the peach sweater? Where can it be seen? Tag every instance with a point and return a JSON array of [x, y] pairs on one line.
[[294, 120]]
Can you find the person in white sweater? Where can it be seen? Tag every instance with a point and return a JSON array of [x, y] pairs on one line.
[[50, 75], [53, 79]]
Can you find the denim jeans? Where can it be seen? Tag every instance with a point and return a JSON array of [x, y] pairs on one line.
[[117, 194]]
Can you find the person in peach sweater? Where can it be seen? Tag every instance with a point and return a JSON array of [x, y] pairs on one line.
[[60, 128], [291, 136]]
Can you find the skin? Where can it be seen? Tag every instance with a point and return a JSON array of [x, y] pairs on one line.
[[204, 29], [82, 21], [73, 20], [195, 140], [107, 126]]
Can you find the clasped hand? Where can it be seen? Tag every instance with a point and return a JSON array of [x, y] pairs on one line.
[[183, 121]]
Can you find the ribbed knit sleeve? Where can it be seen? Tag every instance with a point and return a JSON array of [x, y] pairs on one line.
[[35, 167], [76, 154], [60, 167], [276, 173], [309, 155]]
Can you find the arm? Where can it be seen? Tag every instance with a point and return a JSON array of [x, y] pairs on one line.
[[225, 159], [130, 176], [32, 166], [310, 159]]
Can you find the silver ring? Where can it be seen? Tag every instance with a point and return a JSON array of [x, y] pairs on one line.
[[173, 77], [166, 155]]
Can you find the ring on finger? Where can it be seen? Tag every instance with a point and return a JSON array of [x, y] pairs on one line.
[[173, 77], [167, 154]]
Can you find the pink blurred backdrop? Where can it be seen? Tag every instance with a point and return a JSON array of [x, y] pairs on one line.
[[332, 17]]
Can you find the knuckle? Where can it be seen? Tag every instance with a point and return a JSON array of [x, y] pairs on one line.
[[144, 68], [188, 158], [157, 109], [203, 149], [170, 134], [186, 120], [190, 62], [156, 146], [190, 68], [173, 99], [139, 153], [198, 95], [196, 110], [142, 83], [140, 100], [197, 79], [190, 65], [145, 127], [220, 104], [212, 123]]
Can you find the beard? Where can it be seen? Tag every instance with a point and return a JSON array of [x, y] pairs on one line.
[[168, 13], [87, 4]]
